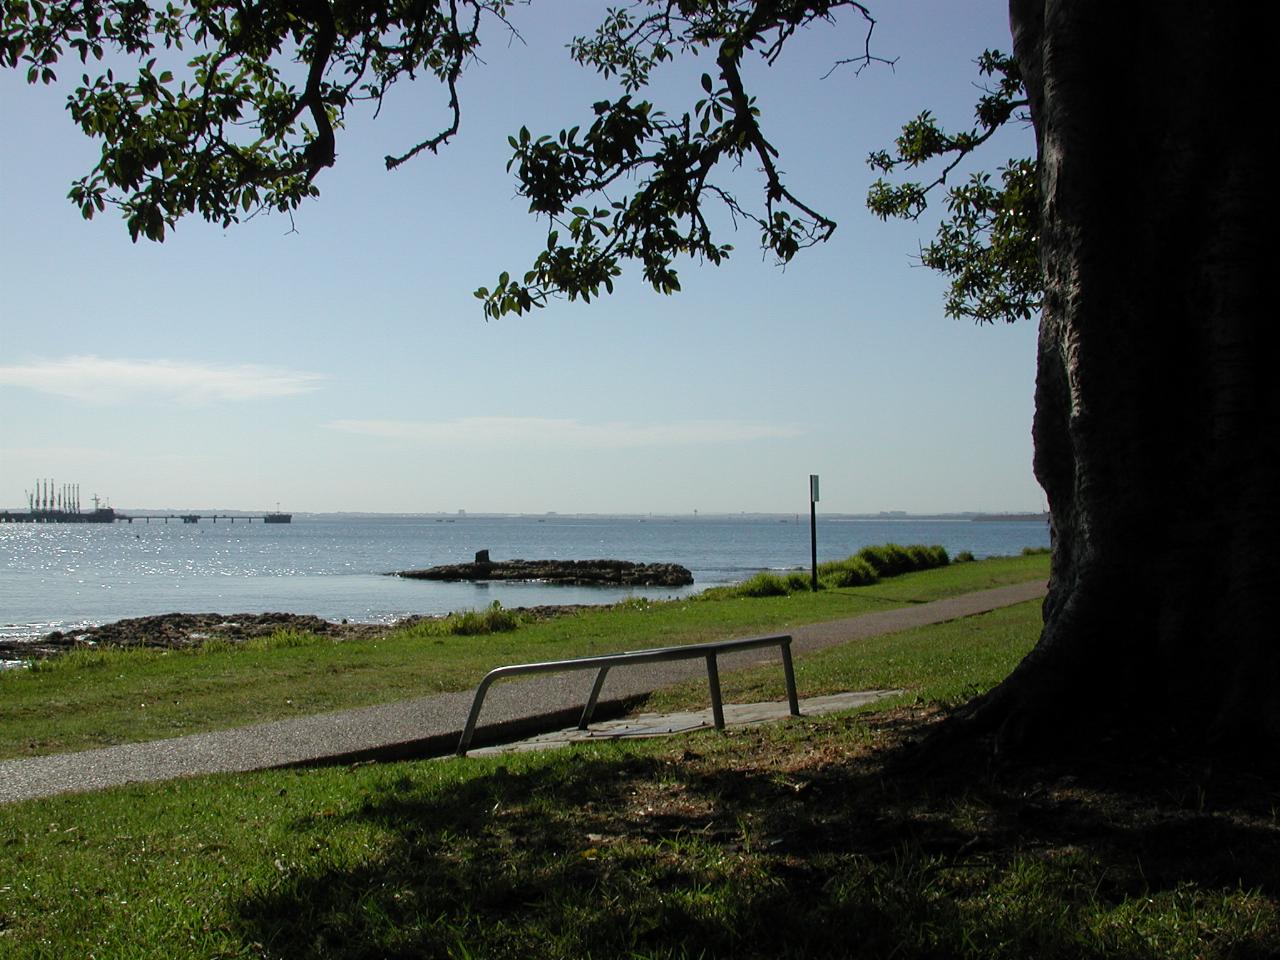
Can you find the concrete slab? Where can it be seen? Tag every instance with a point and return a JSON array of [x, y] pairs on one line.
[[646, 725]]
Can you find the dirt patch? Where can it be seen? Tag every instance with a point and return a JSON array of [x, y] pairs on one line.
[[1156, 818]]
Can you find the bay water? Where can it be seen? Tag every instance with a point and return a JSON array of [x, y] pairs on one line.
[[71, 576]]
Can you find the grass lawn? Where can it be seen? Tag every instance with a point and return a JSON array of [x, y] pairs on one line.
[[832, 837], [97, 698], [947, 663]]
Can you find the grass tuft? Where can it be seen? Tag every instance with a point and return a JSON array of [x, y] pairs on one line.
[[862, 569], [472, 623], [77, 659], [764, 584], [286, 639], [852, 571]]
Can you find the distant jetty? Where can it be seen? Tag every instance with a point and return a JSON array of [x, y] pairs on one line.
[[100, 515], [603, 573], [50, 502], [108, 515]]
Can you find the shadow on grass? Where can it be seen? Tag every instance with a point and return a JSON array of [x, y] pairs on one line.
[[804, 843]]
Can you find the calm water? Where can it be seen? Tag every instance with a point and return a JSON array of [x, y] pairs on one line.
[[59, 577]]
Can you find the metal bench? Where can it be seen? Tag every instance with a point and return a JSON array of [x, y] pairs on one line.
[[691, 651]]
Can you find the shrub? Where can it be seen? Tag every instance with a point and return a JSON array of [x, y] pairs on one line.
[[964, 556], [869, 564], [1034, 551], [763, 584], [476, 622], [926, 558], [850, 572], [865, 567], [726, 592], [796, 580], [889, 559]]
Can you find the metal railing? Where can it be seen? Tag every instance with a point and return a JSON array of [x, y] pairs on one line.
[[691, 651]]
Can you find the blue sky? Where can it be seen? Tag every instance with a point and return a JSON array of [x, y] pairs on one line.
[[341, 362]]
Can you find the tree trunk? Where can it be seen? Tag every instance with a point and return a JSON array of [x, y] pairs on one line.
[[1157, 422]]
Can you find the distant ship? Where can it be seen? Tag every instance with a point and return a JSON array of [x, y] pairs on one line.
[[278, 517]]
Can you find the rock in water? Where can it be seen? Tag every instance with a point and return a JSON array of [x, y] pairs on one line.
[[605, 573]]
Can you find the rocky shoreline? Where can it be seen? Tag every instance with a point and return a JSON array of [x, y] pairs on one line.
[[178, 631], [181, 631], [578, 573]]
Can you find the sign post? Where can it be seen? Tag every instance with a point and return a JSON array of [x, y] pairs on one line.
[[813, 528]]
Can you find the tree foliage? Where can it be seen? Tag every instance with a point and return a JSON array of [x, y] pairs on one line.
[[988, 241], [638, 183], [246, 110], [248, 115]]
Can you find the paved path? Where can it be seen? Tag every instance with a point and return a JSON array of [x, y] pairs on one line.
[[430, 726]]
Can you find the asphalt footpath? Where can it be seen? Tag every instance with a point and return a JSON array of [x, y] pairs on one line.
[[431, 726]]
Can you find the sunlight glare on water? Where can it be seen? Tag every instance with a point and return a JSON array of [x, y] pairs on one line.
[[69, 576]]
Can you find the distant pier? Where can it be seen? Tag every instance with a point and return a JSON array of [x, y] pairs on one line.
[[215, 517], [101, 515], [50, 502], [108, 515]]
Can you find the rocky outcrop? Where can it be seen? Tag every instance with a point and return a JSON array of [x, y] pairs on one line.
[[178, 631], [604, 573]]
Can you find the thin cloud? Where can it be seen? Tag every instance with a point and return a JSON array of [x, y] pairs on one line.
[[550, 432], [102, 380]]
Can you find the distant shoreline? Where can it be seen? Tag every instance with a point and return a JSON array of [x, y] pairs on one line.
[[333, 567], [141, 513], [1013, 517]]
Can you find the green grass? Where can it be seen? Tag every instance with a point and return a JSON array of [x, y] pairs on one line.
[[103, 697], [808, 839], [811, 838], [946, 663]]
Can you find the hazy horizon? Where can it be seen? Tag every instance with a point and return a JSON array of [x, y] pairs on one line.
[[564, 514]]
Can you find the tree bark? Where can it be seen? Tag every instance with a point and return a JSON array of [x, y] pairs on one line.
[[1157, 424]]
